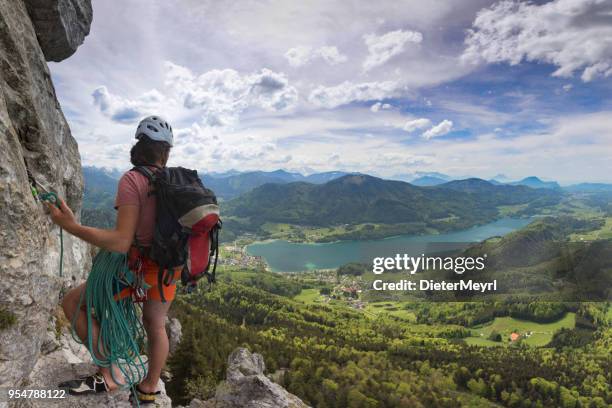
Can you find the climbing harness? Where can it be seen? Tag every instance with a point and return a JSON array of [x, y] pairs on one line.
[[121, 334], [139, 288], [50, 196]]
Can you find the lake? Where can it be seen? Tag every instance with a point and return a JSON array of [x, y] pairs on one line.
[[284, 256]]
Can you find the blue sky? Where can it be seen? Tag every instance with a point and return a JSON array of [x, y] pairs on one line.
[[470, 88]]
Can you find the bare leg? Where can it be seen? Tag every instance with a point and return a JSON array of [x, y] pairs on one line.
[[154, 318], [70, 304]]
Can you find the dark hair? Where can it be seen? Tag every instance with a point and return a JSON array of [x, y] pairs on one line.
[[148, 152]]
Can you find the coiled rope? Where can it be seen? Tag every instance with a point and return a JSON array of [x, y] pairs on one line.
[[121, 334]]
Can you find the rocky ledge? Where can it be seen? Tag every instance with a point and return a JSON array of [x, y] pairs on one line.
[[246, 386], [60, 25]]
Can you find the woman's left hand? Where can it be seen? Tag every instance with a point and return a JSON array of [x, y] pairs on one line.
[[63, 216]]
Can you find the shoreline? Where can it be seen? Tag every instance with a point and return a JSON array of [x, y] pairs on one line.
[[360, 242]]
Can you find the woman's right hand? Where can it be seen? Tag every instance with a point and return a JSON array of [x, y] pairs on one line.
[[62, 216]]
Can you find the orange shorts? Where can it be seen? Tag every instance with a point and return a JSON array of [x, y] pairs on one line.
[[150, 271]]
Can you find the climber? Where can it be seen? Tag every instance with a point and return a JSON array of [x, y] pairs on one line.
[[132, 234]]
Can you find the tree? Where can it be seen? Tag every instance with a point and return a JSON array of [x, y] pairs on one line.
[[495, 336]]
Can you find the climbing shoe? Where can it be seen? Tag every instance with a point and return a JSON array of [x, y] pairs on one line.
[[92, 384], [143, 397]]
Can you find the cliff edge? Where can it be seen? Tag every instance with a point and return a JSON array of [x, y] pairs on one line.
[[36, 137]]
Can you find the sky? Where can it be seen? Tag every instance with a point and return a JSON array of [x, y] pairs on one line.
[[389, 88]]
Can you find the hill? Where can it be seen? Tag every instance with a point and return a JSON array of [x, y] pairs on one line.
[[233, 184], [500, 194], [535, 182], [320, 178], [540, 260], [355, 199], [98, 197], [427, 181], [589, 188]]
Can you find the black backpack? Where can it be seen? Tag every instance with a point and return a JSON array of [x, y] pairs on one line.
[[187, 226]]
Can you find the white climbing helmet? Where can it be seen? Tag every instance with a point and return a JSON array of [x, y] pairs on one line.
[[155, 128]]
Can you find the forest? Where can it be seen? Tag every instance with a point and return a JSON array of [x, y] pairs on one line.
[[334, 356]]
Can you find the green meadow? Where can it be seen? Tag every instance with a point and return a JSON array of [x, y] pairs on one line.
[[532, 333]]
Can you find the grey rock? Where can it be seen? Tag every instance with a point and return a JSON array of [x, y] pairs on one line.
[[175, 333], [50, 343], [65, 364], [60, 25], [196, 403], [241, 362], [34, 132], [247, 387]]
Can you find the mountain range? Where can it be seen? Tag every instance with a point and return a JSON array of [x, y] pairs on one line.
[[336, 198], [231, 184], [354, 199]]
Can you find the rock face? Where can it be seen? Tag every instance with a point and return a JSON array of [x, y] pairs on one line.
[[34, 135], [246, 386], [68, 361], [175, 332], [60, 25]]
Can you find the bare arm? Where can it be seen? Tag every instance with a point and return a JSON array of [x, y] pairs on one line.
[[117, 240]]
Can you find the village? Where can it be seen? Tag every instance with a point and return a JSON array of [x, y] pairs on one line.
[[237, 256]]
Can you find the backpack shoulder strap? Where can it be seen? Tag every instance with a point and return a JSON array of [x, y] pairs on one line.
[[145, 171]]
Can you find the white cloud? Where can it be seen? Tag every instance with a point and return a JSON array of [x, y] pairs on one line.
[[346, 92], [302, 55], [380, 106], [416, 124], [440, 129], [222, 94], [124, 110], [573, 35], [382, 48], [217, 96]]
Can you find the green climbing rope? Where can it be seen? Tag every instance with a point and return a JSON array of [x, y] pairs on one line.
[[121, 333]]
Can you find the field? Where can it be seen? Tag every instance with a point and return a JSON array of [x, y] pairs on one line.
[[532, 333], [396, 309], [309, 296], [605, 232], [541, 332]]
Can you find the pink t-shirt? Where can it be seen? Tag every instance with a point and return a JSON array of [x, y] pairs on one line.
[[133, 189]]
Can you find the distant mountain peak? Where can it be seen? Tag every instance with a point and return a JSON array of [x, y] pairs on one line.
[[500, 177], [425, 181], [536, 182], [532, 178], [356, 179]]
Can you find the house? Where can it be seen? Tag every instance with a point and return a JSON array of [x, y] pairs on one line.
[[514, 336]]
